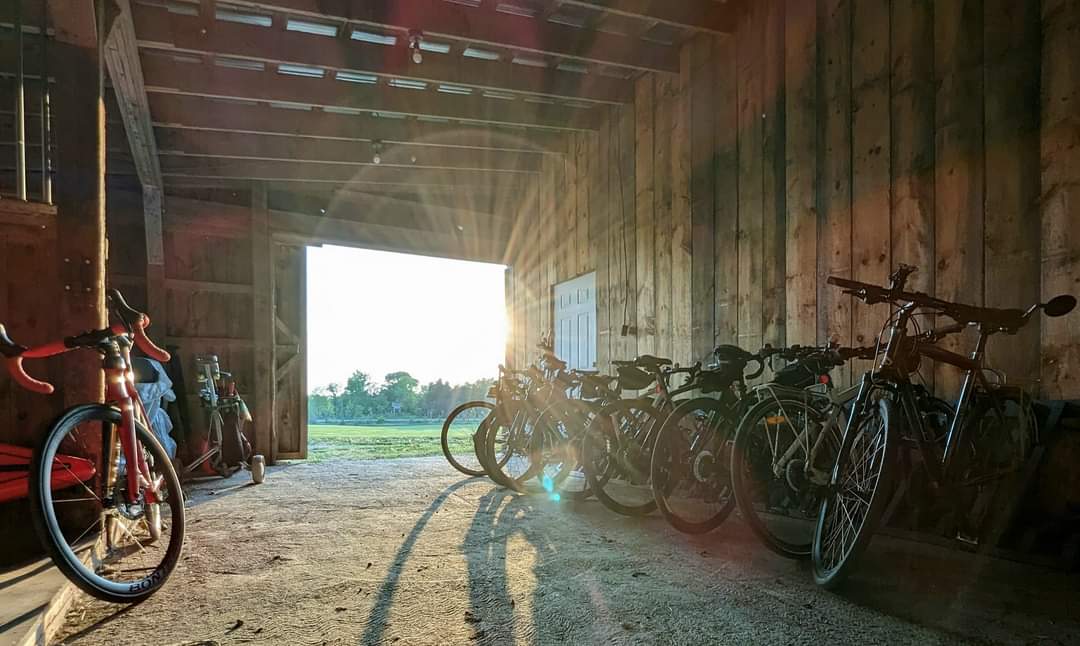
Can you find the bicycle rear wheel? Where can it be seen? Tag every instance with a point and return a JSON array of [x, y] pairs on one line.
[[690, 467], [463, 453], [852, 508], [617, 449], [779, 464], [113, 549]]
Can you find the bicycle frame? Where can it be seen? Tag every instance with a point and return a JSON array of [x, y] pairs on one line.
[[832, 401], [888, 376], [121, 392]]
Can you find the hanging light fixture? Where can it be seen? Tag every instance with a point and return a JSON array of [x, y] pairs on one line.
[[415, 37], [376, 147]]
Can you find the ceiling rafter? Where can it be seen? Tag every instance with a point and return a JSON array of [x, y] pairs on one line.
[[485, 26], [231, 145], [156, 27], [285, 171], [697, 15], [200, 113], [166, 75]]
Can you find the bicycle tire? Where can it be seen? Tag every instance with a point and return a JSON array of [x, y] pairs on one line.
[[659, 465], [445, 437], [831, 575], [51, 534], [745, 498], [601, 466], [520, 444]]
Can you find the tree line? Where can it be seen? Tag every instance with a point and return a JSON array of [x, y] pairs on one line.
[[399, 395]]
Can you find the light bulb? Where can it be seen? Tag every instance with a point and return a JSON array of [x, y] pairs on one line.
[[417, 57], [377, 159]]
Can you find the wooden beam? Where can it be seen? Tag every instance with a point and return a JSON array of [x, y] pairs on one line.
[[169, 76], [307, 229], [121, 55], [263, 323], [699, 15], [483, 25], [159, 29], [191, 166], [208, 286], [199, 113], [221, 144]]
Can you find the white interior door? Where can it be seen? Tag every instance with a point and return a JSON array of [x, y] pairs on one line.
[[575, 322]]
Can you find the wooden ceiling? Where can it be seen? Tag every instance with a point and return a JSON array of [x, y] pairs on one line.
[[310, 92]]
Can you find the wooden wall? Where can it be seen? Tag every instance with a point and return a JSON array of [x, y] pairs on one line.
[[829, 138]]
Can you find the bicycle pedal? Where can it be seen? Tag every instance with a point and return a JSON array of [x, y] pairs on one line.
[[972, 541]]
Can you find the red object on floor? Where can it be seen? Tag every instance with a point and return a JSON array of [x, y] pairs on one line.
[[15, 471]]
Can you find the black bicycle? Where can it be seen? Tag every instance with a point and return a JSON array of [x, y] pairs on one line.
[[989, 437]]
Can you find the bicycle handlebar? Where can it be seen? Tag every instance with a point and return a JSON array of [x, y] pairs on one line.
[[133, 322]]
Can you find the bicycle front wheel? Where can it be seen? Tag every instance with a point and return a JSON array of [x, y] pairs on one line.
[[852, 507], [114, 546], [461, 436]]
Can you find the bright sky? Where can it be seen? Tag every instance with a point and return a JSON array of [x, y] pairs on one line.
[[382, 312]]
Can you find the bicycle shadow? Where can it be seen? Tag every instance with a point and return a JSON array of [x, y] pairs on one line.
[[962, 592], [377, 619]]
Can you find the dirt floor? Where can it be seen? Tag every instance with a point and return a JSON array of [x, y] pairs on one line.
[[409, 552]]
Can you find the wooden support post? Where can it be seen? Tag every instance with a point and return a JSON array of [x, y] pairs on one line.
[[80, 189], [263, 324]]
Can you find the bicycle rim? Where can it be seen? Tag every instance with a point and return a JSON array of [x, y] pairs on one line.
[[616, 457], [777, 488], [111, 547], [850, 512], [690, 467], [461, 433]]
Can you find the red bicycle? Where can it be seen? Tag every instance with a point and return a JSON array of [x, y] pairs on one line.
[[105, 498]]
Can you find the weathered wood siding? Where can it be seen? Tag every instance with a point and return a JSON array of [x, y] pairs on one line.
[[833, 138]]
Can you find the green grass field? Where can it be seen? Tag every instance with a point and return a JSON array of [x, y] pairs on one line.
[[326, 442]]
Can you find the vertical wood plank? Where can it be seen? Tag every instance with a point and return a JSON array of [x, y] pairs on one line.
[[627, 204], [726, 245], [262, 270], [834, 188], [870, 183], [616, 254], [585, 162], [912, 140], [508, 291], [302, 369], [1060, 155], [644, 115], [563, 209], [1012, 279], [681, 271], [665, 94], [751, 250], [702, 195], [773, 193], [601, 244], [801, 99], [959, 165]]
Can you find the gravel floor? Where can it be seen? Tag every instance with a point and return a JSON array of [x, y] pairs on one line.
[[408, 552]]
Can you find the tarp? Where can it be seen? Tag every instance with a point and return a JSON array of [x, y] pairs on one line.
[[153, 393]]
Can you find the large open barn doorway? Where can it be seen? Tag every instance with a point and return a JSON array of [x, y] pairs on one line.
[[393, 343]]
